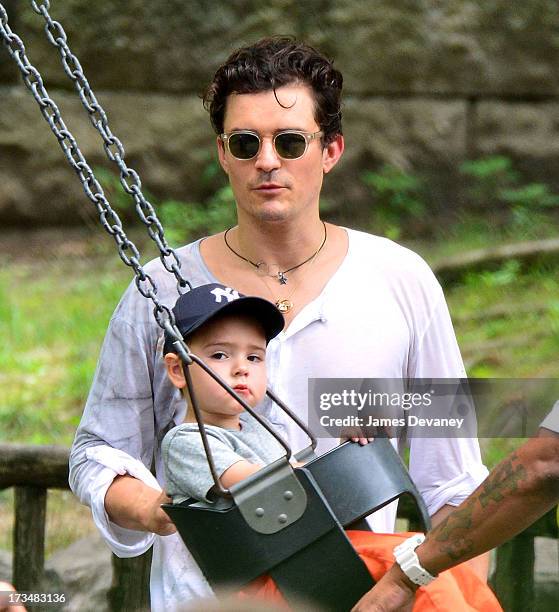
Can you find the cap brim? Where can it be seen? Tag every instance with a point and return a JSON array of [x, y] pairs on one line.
[[257, 308]]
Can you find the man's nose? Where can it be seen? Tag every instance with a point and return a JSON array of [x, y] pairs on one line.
[[267, 158]]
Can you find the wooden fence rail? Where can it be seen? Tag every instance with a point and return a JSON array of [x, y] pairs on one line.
[[32, 470]]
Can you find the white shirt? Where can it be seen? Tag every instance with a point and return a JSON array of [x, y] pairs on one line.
[[381, 315], [551, 421]]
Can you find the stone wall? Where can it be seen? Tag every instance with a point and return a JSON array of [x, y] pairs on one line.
[[427, 85]]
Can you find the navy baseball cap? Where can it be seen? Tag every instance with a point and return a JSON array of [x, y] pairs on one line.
[[203, 303]]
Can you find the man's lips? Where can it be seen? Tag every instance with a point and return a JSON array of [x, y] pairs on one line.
[[268, 187]]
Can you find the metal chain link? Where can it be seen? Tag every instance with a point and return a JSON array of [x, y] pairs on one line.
[[115, 152], [109, 218], [114, 149]]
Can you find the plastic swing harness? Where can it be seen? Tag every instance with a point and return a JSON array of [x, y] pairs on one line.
[[283, 521]]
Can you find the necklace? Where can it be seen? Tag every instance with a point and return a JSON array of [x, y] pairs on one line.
[[284, 305], [273, 270]]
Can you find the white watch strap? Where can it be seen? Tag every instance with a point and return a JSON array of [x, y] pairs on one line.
[[407, 559]]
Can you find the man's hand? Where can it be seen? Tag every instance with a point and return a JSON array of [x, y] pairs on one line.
[[393, 592], [153, 517], [132, 504]]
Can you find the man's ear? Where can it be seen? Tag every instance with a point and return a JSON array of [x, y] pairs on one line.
[[332, 153], [221, 154], [173, 364]]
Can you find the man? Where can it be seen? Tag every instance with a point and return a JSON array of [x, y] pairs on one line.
[[355, 305], [523, 487]]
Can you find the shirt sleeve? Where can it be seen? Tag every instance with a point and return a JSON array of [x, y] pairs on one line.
[[551, 421], [121, 414], [445, 470], [186, 466], [105, 464]]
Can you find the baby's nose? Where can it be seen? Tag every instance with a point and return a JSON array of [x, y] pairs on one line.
[[240, 369]]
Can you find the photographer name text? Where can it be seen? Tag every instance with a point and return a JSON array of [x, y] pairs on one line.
[[411, 420]]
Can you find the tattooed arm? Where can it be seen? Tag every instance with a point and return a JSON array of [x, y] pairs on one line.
[[523, 487]]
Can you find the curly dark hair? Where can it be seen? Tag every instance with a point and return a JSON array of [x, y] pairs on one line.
[[271, 63]]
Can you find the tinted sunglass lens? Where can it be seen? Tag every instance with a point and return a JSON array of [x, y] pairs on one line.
[[244, 146], [290, 146]]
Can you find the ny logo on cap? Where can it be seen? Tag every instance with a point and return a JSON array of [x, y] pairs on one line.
[[227, 293]]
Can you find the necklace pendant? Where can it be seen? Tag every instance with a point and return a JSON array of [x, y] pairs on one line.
[[284, 305], [262, 268], [282, 278]]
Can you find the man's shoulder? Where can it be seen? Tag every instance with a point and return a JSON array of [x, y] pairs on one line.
[[163, 282], [187, 256], [383, 254]]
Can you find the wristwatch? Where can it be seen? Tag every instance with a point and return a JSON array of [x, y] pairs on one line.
[[409, 563]]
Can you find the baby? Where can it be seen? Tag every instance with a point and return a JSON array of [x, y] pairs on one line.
[[229, 332]]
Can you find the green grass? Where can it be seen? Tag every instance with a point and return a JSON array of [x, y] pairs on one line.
[[507, 322], [467, 233], [506, 319], [52, 321], [507, 325]]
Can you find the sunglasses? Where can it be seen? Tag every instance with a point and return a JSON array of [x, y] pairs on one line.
[[289, 144]]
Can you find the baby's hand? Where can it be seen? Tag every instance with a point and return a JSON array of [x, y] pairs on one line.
[[355, 434], [362, 441]]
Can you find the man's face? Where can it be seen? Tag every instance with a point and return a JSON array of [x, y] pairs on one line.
[[267, 187], [235, 348]]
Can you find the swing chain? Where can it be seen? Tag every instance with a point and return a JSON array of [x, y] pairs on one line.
[[110, 220], [113, 147]]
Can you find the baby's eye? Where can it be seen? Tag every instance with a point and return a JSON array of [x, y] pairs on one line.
[[219, 355], [255, 358]]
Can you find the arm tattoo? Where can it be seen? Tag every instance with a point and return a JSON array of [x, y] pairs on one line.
[[454, 530], [505, 479]]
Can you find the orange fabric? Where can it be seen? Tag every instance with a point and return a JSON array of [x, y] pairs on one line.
[[456, 590]]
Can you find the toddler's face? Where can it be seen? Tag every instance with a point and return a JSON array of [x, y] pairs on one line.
[[235, 348]]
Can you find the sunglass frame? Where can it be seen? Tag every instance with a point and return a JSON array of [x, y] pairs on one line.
[[308, 136]]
